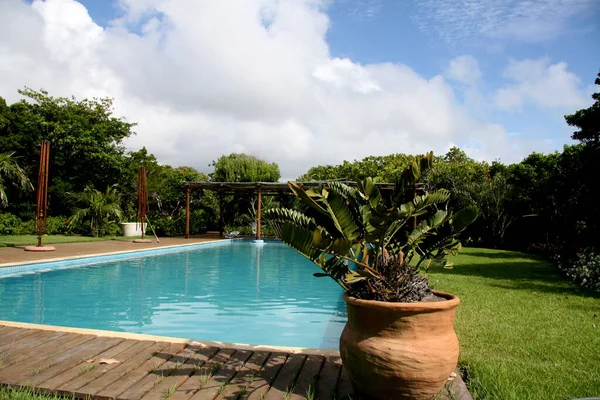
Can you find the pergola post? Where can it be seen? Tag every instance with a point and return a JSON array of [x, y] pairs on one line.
[[258, 215], [187, 212], [221, 216]]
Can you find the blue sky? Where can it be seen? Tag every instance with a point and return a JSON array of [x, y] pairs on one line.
[[494, 77]]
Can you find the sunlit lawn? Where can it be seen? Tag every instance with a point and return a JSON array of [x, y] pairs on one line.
[[29, 240], [524, 332]]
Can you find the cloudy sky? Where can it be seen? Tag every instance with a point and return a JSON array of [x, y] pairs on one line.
[[307, 82]]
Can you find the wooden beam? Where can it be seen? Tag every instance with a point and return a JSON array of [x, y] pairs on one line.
[[187, 213]]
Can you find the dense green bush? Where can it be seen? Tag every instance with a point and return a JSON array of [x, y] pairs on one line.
[[10, 224], [583, 268], [57, 225]]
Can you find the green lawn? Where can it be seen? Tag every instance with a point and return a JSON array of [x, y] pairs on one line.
[[30, 240], [7, 393], [524, 332]]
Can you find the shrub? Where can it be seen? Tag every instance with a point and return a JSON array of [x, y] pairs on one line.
[[10, 224], [582, 269], [57, 225]]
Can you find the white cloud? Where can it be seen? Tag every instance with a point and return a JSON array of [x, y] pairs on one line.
[[457, 21], [464, 69], [205, 78], [539, 83]]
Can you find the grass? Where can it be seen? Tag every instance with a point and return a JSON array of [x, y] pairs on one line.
[[7, 393], [524, 332], [31, 240]]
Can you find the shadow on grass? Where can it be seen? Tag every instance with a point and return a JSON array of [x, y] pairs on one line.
[[506, 254], [528, 274]]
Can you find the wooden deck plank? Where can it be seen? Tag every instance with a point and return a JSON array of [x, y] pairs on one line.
[[67, 361], [181, 374], [61, 379], [127, 381], [218, 383], [8, 333], [262, 382], [120, 370], [73, 349], [91, 375], [284, 383], [328, 378], [155, 377], [344, 386], [33, 343], [38, 359], [306, 383], [240, 382], [29, 340], [201, 375]]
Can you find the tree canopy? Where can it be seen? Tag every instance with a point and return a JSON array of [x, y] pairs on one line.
[[86, 141], [587, 120], [240, 167]]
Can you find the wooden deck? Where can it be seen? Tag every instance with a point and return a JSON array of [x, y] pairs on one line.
[[68, 363]]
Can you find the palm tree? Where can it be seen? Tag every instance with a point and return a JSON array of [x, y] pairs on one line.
[[10, 169], [99, 208]]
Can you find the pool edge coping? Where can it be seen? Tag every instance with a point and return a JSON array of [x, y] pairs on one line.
[[110, 253], [191, 342]]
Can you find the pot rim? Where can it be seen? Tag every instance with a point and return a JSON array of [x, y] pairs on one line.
[[452, 302]]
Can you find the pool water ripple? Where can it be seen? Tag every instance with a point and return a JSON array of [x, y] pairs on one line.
[[234, 293]]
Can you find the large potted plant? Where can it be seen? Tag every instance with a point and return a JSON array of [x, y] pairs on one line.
[[399, 341]]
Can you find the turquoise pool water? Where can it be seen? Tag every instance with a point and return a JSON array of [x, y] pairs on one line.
[[232, 293]]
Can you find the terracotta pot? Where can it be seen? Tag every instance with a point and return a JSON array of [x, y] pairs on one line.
[[399, 350]]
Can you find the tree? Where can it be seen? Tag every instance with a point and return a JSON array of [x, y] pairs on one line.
[[587, 120], [244, 168], [86, 142], [10, 170], [99, 209], [380, 168], [491, 196]]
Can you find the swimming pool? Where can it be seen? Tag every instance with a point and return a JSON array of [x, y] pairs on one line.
[[236, 292]]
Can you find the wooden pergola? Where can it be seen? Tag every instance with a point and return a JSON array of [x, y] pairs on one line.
[[257, 188]]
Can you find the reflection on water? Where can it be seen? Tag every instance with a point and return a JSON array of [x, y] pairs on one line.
[[240, 293]]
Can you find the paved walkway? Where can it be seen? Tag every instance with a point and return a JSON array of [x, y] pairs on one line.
[[12, 255]]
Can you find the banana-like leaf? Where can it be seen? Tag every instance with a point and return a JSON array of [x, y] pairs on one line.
[[342, 216], [298, 191], [464, 218], [301, 239], [439, 218], [285, 214], [337, 268], [340, 246], [370, 192], [429, 199]]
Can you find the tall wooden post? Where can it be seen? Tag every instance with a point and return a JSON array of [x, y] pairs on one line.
[[187, 212], [221, 215], [258, 215], [142, 198], [42, 192], [42, 198]]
